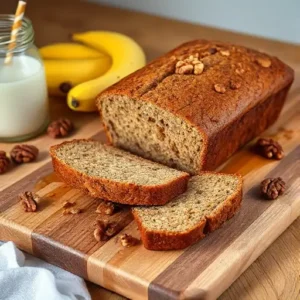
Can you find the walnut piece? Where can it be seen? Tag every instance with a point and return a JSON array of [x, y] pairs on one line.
[[220, 88], [128, 241], [99, 234], [271, 188], [240, 69], [4, 162], [269, 148], [60, 128], [105, 230], [225, 52], [29, 201], [72, 211], [190, 65], [265, 62], [107, 208], [24, 153], [198, 68]]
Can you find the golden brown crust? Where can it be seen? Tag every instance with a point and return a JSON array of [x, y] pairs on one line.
[[248, 82], [164, 240], [124, 193]]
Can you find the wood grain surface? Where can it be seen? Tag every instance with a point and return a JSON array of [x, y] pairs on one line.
[[68, 240]]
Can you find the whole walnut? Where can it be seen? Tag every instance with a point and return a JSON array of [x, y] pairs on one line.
[[60, 128], [272, 188], [24, 153], [4, 162], [269, 148]]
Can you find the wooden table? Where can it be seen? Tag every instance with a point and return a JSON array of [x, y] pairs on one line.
[[276, 273]]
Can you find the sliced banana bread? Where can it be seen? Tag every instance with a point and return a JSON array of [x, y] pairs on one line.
[[113, 174], [210, 200], [196, 105]]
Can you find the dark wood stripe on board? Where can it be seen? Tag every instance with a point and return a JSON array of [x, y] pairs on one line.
[[187, 267]]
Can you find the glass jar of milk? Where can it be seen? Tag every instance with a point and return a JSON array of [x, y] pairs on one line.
[[23, 90]]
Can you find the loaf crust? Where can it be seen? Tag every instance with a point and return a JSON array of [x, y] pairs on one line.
[[226, 120], [120, 192], [164, 240]]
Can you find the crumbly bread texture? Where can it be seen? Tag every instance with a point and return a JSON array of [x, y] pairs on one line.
[[195, 120], [210, 200], [113, 174]]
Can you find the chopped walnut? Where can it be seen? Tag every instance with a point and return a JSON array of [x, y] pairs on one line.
[[29, 201], [271, 188], [190, 65], [265, 62], [99, 234], [225, 52], [104, 230], [269, 148], [182, 68], [107, 208], [72, 211], [128, 241], [198, 68], [239, 69], [220, 88]]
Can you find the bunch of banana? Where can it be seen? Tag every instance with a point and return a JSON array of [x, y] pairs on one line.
[[127, 56], [84, 69], [69, 64]]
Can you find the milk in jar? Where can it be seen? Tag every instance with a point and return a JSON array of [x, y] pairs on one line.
[[23, 89], [23, 97]]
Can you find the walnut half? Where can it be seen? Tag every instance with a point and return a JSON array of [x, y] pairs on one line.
[[29, 201]]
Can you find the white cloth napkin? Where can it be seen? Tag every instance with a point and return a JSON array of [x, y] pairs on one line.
[[24, 277]]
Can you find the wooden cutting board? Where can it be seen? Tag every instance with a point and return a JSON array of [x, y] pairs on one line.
[[204, 270]]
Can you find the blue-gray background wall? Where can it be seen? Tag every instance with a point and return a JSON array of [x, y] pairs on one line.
[[276, 19]]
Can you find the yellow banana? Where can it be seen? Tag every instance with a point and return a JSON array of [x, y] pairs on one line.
[[127, 56], [62, 75], [69, 51]]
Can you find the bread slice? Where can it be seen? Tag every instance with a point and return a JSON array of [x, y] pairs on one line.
[[113, 174], [210, 200]]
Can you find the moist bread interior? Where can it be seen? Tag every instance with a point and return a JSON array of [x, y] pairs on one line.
[[153, 133], [97, 160], [204, 194]]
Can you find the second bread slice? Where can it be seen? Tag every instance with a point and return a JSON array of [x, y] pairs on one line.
[[210, 200], [113, 174]]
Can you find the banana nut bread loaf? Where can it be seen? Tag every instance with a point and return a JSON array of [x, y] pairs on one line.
[[195, 106], [210, 200], [113, 174]]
